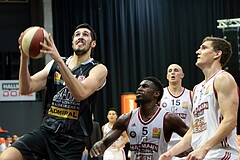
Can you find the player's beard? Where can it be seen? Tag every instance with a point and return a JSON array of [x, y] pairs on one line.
[[81, 51]]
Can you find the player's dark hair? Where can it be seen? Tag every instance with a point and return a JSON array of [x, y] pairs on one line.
[[158, 84], [113, 109], [85, 25]]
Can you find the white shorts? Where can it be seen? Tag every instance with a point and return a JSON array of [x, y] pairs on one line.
[[114, 154]]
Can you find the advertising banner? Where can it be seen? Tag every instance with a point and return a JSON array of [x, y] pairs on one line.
[[9, 91]]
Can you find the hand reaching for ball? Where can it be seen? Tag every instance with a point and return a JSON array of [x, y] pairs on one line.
[[50, 48]]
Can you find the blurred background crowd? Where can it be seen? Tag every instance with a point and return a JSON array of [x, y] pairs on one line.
[[6, 139]]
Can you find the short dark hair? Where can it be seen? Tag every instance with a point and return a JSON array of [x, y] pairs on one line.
[[158, 84], [85, 25], [222, 45], [113, 109]]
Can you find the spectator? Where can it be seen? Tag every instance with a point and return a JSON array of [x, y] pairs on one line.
[[115, 151]]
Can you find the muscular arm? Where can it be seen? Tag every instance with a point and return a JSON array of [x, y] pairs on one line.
[[82, 90], [180, 147], [174, 123], [118, 128], [27, 83]]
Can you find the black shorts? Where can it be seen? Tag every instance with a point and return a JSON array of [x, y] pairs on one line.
[[40, 144]]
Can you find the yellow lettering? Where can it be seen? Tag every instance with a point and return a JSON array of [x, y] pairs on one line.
[[64, 113]]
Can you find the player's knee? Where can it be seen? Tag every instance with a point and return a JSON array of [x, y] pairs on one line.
[[11, 153]]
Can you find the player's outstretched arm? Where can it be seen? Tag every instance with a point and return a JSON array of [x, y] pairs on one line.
[[180, 147], [174, 123], [118, 128]]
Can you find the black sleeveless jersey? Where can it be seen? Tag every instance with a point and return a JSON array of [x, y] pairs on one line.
[[62, 113]]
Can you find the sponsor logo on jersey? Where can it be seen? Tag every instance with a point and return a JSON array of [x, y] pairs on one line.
[[207, 90], [156, 132], [132, 134], [200, 109], [63, 113], [199, 125], [57, 78], [133, 125], [144, 151], [164, 104], [81, 78], [185, 104]]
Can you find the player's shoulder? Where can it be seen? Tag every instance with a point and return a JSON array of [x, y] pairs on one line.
[[125, 116], [223, 78], [103, 126], [122, 121], [223, 74], [100, 68]]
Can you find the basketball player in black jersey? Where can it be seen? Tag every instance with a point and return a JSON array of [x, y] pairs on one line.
[[71, 86]]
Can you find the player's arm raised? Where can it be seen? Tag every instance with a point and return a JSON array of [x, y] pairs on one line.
[[79, 90], [27, 83]]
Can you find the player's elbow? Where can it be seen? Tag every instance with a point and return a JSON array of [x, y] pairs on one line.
[[23, 91], [79, 97], [82, 95], [232, 122]]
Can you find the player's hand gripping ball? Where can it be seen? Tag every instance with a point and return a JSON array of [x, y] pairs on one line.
[[30, 41]]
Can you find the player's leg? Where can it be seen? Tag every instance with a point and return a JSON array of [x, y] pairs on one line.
[[11, 153], [30, 146]]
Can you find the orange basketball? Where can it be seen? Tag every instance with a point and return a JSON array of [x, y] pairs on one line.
[[30, 41]]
